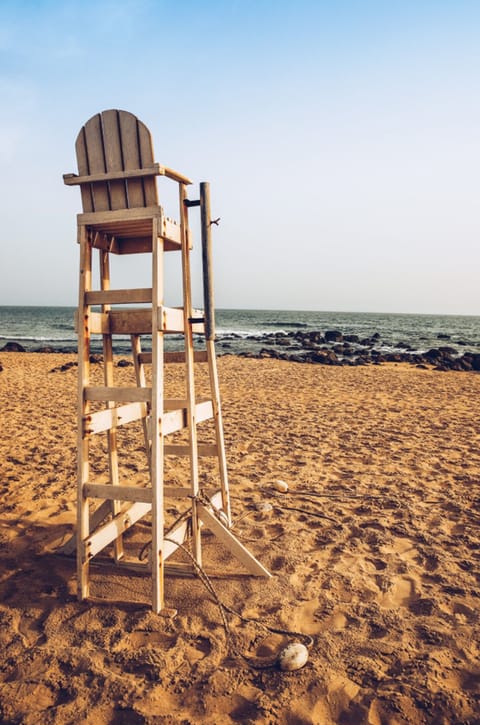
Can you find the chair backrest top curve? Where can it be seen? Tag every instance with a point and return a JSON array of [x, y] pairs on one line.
[[115, 141]]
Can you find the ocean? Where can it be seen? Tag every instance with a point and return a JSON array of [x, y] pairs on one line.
[[247, 331]]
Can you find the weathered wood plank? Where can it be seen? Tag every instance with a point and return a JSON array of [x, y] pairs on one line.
[[131, 173], [96, 161], [84, 169], [118, 394], [231, 542], [110, 531], [175, 175], [123, 216], [118, 493], [203, 450], [131, 158], [118, 296], [114, 158], [104, 420], [146, 159]]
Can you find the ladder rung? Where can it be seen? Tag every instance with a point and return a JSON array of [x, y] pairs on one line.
[[118, 395], [138, 321], [203, 449], [175, 420], [199, 356], [110, 418], [118, 493], [118, 296], [143, 494]]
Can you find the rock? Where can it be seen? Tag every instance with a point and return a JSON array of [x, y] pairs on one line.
[[122, 363], [13, 347], [433, 354], [333, 336], [443, 336], [293, 657]]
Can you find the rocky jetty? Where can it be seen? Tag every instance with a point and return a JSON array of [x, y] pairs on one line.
[[332, 347]]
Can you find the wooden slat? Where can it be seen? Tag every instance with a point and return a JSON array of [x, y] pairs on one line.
[[131, 322], [107, 419], [171, 230], [110, 531], [175, 175], [176, 535], [129, 174], [177, 491], [131, 158], [146, 159], [175, 420], [84, 169], [118, 493], [203, 449], [98, 323], [131, 493], [200, 356], [171, 319], [96, 162], [118, 394], [114, 158], [118, 296], [105, 217], [139, 322]]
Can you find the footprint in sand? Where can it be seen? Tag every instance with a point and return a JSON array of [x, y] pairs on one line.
[[400, 593]]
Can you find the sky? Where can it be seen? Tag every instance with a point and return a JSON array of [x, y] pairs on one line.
[[340, 139]]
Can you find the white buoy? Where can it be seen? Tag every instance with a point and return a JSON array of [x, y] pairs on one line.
[[293, 657], [281, 486]]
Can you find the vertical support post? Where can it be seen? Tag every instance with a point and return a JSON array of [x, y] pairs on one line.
[[206, 227], [189, 371], [108, 376], [209, 306], [83, 524], [141, 383], [157, 456]]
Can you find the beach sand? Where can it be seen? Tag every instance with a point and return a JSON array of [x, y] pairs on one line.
[[374, 552]]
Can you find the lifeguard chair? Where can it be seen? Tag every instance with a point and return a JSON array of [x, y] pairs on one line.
[[122, 216]]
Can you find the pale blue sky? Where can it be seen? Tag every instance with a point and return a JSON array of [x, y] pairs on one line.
[[341, 141]]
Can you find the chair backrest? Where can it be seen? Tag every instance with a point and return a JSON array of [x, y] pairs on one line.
[[115, 141]]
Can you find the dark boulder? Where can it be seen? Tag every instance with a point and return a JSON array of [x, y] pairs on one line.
[[46, 349], [333, 336], [433, 354], [13, 347]]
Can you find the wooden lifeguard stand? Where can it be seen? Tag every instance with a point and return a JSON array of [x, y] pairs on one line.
[[122, 216]]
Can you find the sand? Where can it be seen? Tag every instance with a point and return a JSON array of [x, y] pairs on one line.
[[374, 553]]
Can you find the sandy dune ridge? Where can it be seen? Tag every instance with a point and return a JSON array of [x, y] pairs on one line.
[[375, 553]]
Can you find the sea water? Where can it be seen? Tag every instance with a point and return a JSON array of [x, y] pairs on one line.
[[240, 331]]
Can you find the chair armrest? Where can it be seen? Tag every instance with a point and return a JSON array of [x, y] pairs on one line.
[[175, 175], [155, 170]]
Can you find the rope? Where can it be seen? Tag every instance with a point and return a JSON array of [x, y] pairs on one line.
[[255, 662]]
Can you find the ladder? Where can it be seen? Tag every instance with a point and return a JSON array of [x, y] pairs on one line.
[[112, 224]]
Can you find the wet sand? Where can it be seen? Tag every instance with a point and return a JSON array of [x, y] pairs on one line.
[[374, 552]]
